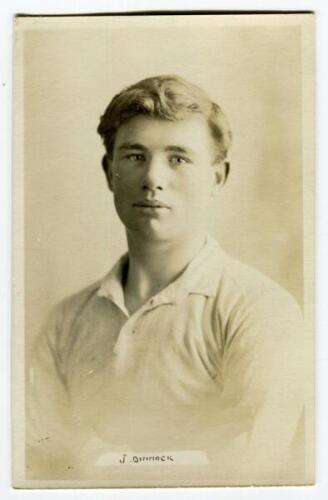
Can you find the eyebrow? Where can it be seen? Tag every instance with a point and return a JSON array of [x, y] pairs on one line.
[[179, 149], [172, 148], [127, 145]]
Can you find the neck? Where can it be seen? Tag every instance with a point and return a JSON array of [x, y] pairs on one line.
[[153, 265]]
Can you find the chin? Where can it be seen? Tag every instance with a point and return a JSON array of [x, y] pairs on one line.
[[151, 232]]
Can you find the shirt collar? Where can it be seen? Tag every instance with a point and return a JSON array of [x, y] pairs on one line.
[[197, 278], [111, 286]]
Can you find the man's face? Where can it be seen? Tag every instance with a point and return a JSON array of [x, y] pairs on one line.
[[162, 175]]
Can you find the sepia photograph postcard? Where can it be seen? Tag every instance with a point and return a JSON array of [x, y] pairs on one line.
[[163, 250]]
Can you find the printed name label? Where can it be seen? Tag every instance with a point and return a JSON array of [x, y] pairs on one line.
[[192, 457]]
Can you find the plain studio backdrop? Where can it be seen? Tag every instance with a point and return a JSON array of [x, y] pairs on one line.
[[72, 233]]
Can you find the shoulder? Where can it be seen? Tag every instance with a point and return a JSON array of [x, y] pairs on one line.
[[246, 299], [249, 284], [65, 313], [261, 323], [75, 303]]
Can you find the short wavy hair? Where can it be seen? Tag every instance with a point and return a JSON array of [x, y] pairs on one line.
[[168, 97]]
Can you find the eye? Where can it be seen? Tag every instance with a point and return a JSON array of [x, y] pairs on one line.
[[179, 160], [135, 157]]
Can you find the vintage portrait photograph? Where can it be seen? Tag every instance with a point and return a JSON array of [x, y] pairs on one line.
[[163, 330]]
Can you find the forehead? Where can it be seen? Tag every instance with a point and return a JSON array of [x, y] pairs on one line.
[[190, 133]]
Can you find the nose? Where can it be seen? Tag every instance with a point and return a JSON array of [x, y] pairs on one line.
[[155, 175]]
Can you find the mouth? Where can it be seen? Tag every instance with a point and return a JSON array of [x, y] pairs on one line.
[[151, 204]]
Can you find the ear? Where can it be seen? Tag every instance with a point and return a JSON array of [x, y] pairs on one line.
[[108, 169], [221, 173]]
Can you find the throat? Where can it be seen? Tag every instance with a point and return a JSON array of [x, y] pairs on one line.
[[140, 285], [147, 274]]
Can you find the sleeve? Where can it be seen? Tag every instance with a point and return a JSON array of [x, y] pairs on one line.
[[47, 404], [264, 372]]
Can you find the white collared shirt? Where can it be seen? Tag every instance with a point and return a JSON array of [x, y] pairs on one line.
[[193, 368]]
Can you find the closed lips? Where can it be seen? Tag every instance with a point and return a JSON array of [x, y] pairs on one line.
[[150, 203]]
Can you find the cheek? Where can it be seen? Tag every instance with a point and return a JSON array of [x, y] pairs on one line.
[[123, 184], [196, 188]]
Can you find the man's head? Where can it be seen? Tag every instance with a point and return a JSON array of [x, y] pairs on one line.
[[167, 97], [166, 145]]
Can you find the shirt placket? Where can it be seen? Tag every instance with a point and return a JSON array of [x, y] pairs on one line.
[[131, 331], [124, 347]]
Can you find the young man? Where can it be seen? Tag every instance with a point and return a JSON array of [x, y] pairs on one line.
[[179, 347]]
